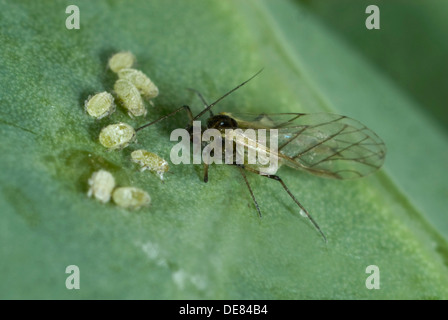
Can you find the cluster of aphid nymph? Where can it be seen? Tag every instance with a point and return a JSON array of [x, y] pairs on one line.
[[130, 90]]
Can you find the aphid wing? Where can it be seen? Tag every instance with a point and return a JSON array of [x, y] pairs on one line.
[[324, 144], [263, 121], [252, 148]]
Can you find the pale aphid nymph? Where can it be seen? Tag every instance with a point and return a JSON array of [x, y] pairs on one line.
[[141, 81], [101, 184], [117, 136], [100, 105], [131, 197], [121, 60], [130, 97], [150, 161]]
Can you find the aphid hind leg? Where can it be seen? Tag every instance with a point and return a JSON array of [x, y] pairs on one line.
[[241, 168], [277, 178]]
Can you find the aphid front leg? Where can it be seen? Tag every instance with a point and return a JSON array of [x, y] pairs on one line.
[[205, 172], [277, 178]]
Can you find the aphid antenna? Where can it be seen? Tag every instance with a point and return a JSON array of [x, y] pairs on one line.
[[186, 108], [225, 95], [202, 99], [207, 108]]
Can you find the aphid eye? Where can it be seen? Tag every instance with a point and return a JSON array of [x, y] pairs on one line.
[[221, 122]]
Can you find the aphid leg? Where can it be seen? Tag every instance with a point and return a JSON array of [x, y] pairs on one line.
[[250, 189], [206, 162], [202, 99], [277, 178], [186, 108], [205, 172]]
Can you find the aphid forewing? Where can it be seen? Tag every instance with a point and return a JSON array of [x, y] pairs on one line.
[[324, 144], [252, 147]]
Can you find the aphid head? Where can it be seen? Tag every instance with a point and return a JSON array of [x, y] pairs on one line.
[[221, 121]]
